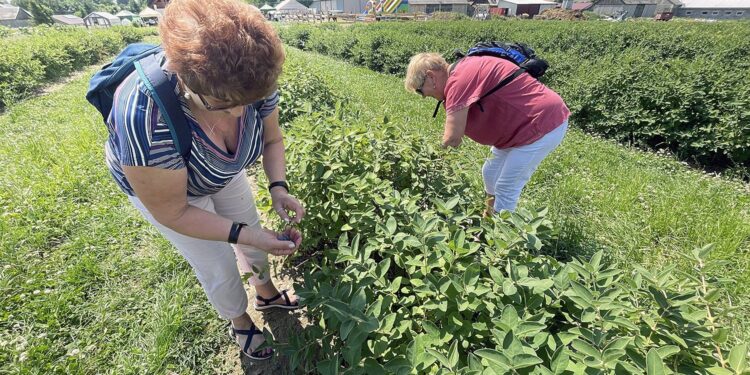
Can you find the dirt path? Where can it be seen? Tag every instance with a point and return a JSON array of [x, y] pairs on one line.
[[281, 324]]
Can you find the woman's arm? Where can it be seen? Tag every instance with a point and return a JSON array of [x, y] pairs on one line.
[[274, 164], [164, 194], [455, 125]]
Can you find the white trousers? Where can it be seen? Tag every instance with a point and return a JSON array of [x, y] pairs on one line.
[[216, 263], [508, 170]]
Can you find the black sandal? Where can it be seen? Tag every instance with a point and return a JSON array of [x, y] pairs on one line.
[[288, 305], [256, 355]]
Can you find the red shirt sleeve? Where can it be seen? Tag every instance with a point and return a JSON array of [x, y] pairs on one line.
[[462, 88]]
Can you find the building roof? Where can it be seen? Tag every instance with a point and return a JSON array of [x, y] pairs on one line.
[[288, 5], [266, 7], [713, 4], [106, 15], [9, 12], [125, 13], [149, 13], [647, 2], [581, 6], [429, 2], [67, 19], [529, 2]]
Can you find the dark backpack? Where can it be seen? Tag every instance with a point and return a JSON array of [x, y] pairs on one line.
[[518, 53], [142, 57]]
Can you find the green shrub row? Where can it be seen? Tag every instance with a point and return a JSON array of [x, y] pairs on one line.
[[45, 54], [677, 86], [402, 276]]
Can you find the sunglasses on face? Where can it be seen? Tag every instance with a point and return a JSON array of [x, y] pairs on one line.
[[420, 92], [419, 89], [205, 102], [213, 108]]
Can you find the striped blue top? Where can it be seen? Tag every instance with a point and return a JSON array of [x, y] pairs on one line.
[[138, 136]]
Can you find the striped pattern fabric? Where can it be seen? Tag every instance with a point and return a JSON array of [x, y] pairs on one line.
[[138, 136]]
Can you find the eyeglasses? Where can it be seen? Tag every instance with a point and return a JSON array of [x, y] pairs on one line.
[[205, 103], [420, 92], [212, 108], [419, 89]]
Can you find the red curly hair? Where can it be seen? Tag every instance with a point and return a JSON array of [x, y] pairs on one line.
[[222, 48]]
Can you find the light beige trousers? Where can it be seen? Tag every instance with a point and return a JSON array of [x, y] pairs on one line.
[[216, 263]]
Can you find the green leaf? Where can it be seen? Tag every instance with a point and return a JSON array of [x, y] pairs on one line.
[[495, 357], [453, 356], [525, 360], [537, 285], [359, 300], [416, 351], [509, 317], [738, 358], [329, 366], [474, 363], [560, 360], [496, 275], [667, 351], [383, 267], [706, 251], [441, 358], [451, 203], [721, 335], [529, 328], [719, 371], [346, 227], [391, 225], [654, 364], [596, 260], [471, 276], [346, 328], [388, 322], [582, 291], [373, 367], [395, 285], [586, 348], [659, 297]]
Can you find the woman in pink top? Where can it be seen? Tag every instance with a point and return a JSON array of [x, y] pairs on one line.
[[522, 122]]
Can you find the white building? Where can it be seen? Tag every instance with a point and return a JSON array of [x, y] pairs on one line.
[[714, 9], [519, 7]]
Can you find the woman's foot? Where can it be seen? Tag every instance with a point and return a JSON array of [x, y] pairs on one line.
[[489, 209], [249, 338], [269, 297]]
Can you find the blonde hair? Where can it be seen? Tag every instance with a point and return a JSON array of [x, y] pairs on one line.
[[222, 48], [418, 67]]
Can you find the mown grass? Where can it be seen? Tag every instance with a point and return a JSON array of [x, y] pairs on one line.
[[85, 285], [639, 207]]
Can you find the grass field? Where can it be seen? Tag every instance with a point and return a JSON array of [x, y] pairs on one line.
[[87, 287]]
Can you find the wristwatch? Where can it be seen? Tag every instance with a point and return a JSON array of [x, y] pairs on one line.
[[278, 183]]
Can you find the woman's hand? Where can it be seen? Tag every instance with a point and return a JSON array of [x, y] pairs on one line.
[[283, 203], [284, 243]]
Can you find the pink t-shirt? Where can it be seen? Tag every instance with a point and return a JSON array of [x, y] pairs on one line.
[[516, 115]]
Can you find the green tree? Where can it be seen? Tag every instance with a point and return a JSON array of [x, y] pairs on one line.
[[136, 6], [41, 10]]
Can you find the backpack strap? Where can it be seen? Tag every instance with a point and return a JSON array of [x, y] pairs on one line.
[[162, 91], [500, 85]]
